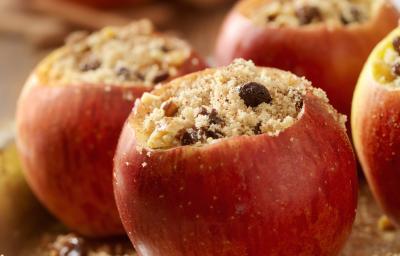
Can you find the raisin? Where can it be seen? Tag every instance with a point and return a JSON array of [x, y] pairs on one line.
[[140, 76], [308, 14], [257, 128], [396, 69], [89, 63], [253, 94], [396, 44], [124, 73], [299, 105], [165, 48], [214, 118], [160, 77], [212, 134], [188, 136], [272, 17], [354, 16], [203, 111], [170, 108]]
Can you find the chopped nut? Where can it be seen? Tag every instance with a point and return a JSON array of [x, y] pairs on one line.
[[170, 108], [253, 94], [308, 14]]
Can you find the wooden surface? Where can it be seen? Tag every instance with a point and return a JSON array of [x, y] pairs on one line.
[[18, 57]]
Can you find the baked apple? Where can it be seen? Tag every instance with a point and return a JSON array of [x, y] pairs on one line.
[[325, 41], [376, 122], [72, 110], [239, 160]]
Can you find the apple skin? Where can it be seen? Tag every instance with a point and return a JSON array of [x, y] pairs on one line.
[[66, 137], [293, 194], [376, 135], [331, 58]]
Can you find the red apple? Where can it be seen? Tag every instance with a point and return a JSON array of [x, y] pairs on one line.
[[67, 134], [291, 194], [331, 58], [375, 127]]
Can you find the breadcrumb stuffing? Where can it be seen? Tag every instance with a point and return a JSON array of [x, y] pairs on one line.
[[240, 99], [305, 12], [128, 55]]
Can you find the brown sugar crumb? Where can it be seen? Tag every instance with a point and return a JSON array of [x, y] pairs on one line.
[[128, 55], [307, 12], [238, 100]]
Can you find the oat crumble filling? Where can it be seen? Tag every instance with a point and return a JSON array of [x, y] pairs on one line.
[[240, 99], [293, 13], [387, 64], [128, 55]]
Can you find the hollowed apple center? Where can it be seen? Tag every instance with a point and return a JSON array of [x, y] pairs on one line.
[[133, 54], [240, 99], [386, 61], [306, 12]]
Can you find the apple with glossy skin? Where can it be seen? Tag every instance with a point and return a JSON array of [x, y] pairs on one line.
[[331, 58], [376, 135], [291, 194], [67, 135]]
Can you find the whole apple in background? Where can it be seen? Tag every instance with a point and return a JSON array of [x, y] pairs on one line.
[[375, 127], [67, 134], [331, 58], [290, 194]]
